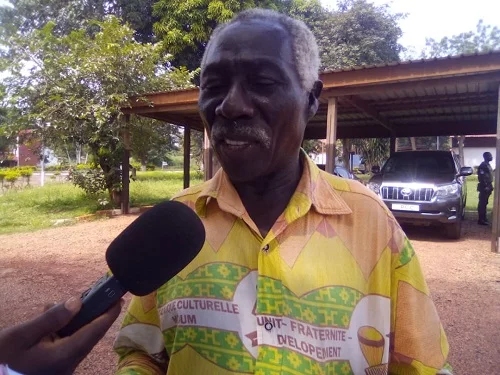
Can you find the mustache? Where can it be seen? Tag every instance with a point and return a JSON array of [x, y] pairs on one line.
[[238, 130]]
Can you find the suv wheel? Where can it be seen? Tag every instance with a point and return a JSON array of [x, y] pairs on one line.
[[454, 230]]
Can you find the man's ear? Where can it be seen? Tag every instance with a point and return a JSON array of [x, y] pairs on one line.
[[314, 99]]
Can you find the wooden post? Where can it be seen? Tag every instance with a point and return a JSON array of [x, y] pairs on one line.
[[461, 139], [495, 241], [187, 155], [413, 144], [393, 145], [125, 167], [346, 153], [331, 134], [207, 157]]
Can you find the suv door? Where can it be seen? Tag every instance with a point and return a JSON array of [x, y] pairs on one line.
[[462, 181]]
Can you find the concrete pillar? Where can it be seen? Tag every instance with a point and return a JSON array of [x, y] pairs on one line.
[[207, 157], [125, 198], [331, 134], [187, 155], [495, 241]]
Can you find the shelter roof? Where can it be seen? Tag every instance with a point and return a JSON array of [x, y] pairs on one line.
[[444, 96]]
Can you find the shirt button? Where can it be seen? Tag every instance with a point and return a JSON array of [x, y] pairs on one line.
[[265, 248], [268, 326]]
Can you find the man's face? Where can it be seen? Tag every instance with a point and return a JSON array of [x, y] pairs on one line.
[[488, 157], [251, 100]]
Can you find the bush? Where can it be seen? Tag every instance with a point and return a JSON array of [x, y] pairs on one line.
[[3, 173], [84, 166], [26, 172], [135, 164], [12, 176], [54, 168], [92, 181]]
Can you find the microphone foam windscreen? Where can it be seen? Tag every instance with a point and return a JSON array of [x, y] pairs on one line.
[[155, 247]]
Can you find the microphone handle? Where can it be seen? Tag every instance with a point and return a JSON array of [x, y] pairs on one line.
[[95, 301]]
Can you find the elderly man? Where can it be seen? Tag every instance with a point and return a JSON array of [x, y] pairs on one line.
[[302, 272]]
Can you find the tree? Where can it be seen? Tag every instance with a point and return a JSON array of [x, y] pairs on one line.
[[152, 140], [359, 33], [424, 143], [77, 84], [374, 150], [185, 26], [25, 16], [6, 142], [485, 38], [355, 34]]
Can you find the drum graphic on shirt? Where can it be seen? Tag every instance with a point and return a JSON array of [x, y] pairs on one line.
[[371, 342]]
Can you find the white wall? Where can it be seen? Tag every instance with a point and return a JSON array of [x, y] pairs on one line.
[[473, 156], [321, 159]]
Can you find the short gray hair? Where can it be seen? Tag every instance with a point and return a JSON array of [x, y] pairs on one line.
[[304, 46]]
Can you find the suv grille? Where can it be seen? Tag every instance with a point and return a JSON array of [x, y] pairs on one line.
[[407, 194]]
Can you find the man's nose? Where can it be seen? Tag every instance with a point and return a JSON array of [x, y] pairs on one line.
[[236, 104]]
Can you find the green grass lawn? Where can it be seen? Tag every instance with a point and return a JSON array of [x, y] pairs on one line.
[[36, 208]]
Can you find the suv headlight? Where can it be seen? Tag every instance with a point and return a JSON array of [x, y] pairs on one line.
[[448, 190], [373, 186]]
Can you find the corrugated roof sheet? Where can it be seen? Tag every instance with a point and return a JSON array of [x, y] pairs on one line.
[[407, 62]]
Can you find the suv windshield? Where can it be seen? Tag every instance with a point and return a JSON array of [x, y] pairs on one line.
[[420, 165]]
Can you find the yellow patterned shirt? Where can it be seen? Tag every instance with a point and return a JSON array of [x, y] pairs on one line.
[[334, 288]]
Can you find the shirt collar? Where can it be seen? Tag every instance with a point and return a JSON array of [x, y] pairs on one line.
[[314, 189]]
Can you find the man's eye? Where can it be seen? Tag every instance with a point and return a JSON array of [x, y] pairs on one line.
[[264, 81], [214, 85]]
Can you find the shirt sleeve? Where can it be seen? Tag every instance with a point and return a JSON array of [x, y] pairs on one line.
[[418, 341], [140, 344]]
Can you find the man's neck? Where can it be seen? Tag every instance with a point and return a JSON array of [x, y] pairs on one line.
[[266, 199]]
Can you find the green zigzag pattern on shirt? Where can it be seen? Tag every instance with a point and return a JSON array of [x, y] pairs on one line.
[[214, 280]]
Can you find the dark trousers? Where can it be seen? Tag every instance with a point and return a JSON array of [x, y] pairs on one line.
[[484, 196]]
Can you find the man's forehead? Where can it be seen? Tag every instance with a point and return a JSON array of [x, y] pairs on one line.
[[247, 39]]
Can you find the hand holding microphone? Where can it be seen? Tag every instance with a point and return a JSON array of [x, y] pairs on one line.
[[148, 253], [34, 348]]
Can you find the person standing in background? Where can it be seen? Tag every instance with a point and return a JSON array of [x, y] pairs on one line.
[[484, 187]]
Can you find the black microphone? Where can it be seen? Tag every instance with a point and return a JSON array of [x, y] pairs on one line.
[[148, 253]]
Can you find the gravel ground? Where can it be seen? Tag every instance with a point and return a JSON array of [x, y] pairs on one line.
[[53, 264]]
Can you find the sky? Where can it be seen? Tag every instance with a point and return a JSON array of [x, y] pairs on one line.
[[437, 18]]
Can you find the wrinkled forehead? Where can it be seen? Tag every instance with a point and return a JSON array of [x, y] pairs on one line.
[[249, 41]]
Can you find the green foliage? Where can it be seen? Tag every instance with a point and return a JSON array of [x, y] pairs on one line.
[[425, 143], [80, 167], [12, 176], [185, 26], [3, 173], [312, 146], [359, 33], [80, 83], [69, 15], [152, 140], [356, 33], [374, 150], [92, 181], [485, 38], [26, 172]]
